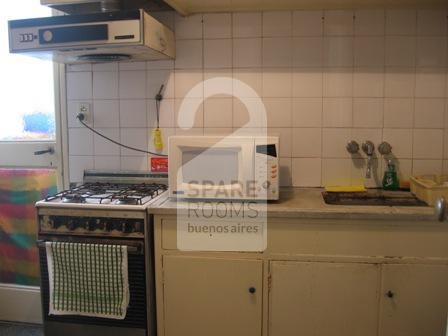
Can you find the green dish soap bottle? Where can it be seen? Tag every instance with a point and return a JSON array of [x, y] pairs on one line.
[[390, 179]]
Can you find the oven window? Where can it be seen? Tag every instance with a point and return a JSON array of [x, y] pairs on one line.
[[218, 166]]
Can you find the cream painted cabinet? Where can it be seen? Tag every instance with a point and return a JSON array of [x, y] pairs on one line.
[[321, 299], [212, 296], [414, 300]]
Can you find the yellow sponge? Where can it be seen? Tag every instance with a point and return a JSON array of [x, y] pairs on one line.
[[352, 188]]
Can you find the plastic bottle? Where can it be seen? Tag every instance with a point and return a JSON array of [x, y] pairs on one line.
[[390, 179]]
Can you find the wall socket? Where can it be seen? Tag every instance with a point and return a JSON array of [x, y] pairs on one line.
[[84, 108]]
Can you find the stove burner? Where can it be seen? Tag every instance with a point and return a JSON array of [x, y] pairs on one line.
[[128, 200], [73, 198]]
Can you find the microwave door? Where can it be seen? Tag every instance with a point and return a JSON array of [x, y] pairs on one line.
[[222, 170]]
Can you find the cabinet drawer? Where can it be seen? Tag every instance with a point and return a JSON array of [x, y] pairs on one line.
[[343, 238], [230, 241], [357, 238]]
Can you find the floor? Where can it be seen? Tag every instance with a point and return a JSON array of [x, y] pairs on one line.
[[7, 329]]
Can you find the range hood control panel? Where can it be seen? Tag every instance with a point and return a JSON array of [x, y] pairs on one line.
[[46, 32]]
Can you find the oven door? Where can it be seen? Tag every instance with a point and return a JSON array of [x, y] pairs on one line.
[[135, 322], [211, 167]]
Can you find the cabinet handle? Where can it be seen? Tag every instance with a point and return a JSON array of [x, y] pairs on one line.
[[252, 290], [390, 294]]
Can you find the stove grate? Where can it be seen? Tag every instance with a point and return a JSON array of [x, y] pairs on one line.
[[134, 194]]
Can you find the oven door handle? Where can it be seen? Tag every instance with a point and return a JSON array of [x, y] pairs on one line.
[[131, 248]]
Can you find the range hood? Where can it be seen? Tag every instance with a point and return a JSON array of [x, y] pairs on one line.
[[124, 35], [91, 6]]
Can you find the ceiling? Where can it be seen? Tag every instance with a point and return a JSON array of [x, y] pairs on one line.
[[201, 6]]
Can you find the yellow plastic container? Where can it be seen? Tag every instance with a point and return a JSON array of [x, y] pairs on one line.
[[353, 188], [429, 188]]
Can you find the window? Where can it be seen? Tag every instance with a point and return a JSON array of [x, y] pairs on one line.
[[26, 84]]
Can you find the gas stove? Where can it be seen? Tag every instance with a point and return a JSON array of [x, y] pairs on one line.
[[108, 208], [111, 204]]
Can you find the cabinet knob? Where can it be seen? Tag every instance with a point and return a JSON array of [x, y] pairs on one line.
[[252, 290], [390, 294], [440, 209]]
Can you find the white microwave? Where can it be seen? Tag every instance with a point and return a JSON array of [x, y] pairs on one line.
[[232, 168]]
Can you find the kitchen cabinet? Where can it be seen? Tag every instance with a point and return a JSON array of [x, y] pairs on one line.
[[339, 277], [186, 7], [212, 296], [317, 298], [414, 300]]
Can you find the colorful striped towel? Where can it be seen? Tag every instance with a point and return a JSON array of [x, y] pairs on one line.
[[88, 279], [19, 190]]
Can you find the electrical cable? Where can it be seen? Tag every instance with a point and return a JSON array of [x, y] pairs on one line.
[[158, 112], [158, 99], [157, 133], [81, 118]]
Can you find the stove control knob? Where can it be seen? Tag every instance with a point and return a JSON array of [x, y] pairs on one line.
[[138, 226], [72, 224], [55, 223], [47, 222], [127, 227], [91, 225], [84, 224], [100, 225], [109, 226]]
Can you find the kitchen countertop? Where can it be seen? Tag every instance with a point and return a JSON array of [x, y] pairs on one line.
[[308, 203]]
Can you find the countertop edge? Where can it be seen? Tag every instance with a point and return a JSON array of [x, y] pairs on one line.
[[307, 203]]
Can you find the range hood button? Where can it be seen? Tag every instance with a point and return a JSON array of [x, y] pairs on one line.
[[47, 35]]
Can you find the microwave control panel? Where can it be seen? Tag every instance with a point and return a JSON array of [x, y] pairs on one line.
[[267, 168]]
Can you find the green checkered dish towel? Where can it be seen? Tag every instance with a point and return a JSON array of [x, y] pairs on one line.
[[88, 279]]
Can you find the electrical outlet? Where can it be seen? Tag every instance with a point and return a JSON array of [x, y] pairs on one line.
[[84, 108]]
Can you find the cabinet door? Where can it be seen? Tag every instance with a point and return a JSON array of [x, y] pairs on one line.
[[321, 299], [212, 297], [414, 300]]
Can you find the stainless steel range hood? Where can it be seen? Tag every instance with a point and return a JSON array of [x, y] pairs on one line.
[[95, 6], [102, 36]]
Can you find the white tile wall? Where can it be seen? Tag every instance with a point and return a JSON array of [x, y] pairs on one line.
[[217, 25], [107, 113], [401, 22], [246, 25], [105, 85], [307, 23], [277, 23], [247, 53], [102, 146], [369, 22], [79, 85], [218, 53], [133, 112], [325, 77]]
